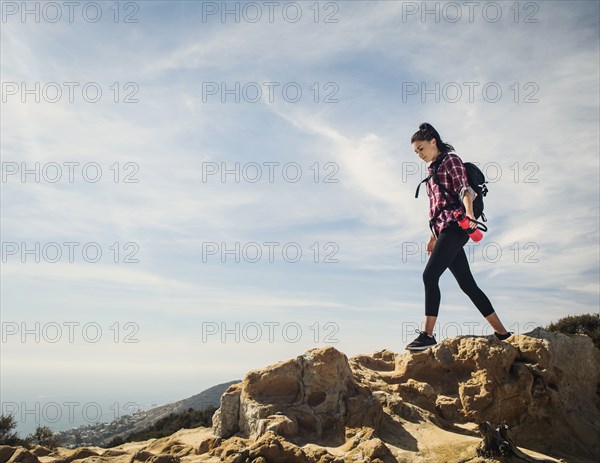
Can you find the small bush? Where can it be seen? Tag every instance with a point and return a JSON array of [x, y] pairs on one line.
[[7, 434], [44, 436], [584, 324], [168, 425]]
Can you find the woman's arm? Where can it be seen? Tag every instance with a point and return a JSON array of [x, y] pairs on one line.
[[460, 183], [468, 203]]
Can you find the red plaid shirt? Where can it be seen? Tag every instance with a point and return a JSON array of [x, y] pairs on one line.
[[453, 175]]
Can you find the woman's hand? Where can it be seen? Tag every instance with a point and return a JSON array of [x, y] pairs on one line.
[[472, 218], [431, 244]]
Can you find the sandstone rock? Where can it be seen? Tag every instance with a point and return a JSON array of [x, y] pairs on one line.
[[314, 395], [363, 445], [163, 458], [6, 451], [208, 444], [226, 418], [419, 393], [322, 407], [372, 450], [280, 425], [542, 384], [563, 410], [170, 446], [142, 455], [447, 407], [21, 455], [41, 451], [231, 446], [114, 453], [76, 454], [526, 383]]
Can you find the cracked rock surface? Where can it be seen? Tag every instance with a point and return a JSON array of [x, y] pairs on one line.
[[314, 395], [386, 407]]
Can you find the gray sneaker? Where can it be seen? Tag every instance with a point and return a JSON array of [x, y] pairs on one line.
[[422, 342], [502, 337]]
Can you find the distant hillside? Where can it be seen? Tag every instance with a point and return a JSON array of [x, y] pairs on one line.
[[210, 396], [170, 424], [207, 398], [102, 434]]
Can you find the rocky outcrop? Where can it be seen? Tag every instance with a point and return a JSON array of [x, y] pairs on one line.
[[314, 396], [538, 391], [543, 385]]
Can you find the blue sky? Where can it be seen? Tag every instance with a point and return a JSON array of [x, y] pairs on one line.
[[539, 147]]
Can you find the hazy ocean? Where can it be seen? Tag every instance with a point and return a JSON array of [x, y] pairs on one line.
[[61, 413]]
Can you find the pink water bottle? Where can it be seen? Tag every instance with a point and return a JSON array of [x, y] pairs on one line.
[[465, 224]]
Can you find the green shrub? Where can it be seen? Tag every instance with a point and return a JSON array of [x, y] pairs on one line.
[[7, 426], [8, 436], [584, 324], [44, 436], [170, 424]]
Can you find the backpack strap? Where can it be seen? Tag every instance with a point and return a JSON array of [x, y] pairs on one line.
[[434, 167], [480, 225], [419, 185]]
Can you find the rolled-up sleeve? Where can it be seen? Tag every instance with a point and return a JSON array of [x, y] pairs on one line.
[[461, 195], [460, 183]]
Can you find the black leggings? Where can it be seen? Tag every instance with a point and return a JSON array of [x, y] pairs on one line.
[[448, 252]]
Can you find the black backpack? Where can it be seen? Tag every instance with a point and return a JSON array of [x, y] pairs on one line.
[[476, 181]]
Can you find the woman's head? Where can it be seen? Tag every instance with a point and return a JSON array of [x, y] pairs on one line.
[[428, 144]]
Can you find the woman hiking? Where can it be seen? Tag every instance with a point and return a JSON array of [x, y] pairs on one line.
[[447, 239]]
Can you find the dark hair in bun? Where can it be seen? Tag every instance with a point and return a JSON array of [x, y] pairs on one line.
[[426, 132]]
